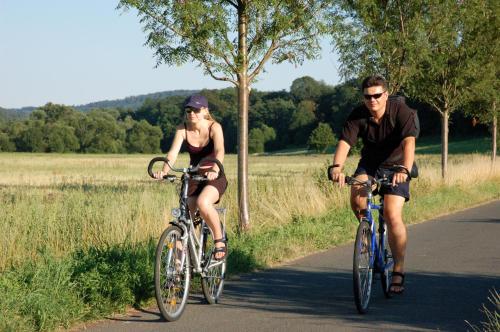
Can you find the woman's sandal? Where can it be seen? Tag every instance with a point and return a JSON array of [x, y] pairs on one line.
[[397, 284], [220, 249]]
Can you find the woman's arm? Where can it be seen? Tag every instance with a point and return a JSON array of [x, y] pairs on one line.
[[218, 137], [174, 149]]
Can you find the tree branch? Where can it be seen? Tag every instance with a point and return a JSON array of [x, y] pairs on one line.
[[264, 59], [231, 3]]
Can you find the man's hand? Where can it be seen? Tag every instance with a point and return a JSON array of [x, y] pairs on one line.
[[399, 177], [337, 175]]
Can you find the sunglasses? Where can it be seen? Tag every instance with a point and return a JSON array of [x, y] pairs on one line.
[[375, 96], [190, 109]]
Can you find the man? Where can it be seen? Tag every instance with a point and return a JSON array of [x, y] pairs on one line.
[[388, 130]]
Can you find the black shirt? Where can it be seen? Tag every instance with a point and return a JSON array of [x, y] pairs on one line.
[[382, 143]]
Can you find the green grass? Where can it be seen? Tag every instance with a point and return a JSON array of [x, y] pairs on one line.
[[79, 231], [432, 145]]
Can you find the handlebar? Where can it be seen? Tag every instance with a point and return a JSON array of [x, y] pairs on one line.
[[188, 170], [368, 183], [393, 168]]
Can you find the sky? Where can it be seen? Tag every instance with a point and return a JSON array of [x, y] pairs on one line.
[[75, 52]]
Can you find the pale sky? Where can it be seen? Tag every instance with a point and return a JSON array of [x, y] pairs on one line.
[[75, 52]]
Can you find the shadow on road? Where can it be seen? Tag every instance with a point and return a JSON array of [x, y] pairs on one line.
[[488, 220], [431, 301]]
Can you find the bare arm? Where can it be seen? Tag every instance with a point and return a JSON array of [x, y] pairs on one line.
[[174, 149], [339, 159], [218, 137], [408, 159]]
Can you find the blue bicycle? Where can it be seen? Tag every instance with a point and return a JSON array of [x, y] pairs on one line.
[[371, 252]]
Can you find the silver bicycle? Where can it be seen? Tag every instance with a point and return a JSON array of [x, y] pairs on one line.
[[186, 247]]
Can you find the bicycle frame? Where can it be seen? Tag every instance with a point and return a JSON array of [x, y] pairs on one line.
[[189, 238], [376, 248]]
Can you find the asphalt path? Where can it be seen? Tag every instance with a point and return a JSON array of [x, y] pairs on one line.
[[452, 264]]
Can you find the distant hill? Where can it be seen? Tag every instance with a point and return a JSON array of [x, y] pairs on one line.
[[133, 102], [14, 114]]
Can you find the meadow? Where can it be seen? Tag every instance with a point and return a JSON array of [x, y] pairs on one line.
[[91, 222]]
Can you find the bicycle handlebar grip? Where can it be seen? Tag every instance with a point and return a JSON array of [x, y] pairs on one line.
[[213, 160], [152, 162]]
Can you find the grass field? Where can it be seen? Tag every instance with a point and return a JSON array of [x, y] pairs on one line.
[[90, 223]]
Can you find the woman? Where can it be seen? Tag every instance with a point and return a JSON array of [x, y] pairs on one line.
[[203, 137]]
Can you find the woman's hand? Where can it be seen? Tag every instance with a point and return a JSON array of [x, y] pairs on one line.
[[212, 175], [159, 175]]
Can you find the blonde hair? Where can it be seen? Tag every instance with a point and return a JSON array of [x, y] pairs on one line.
[[208, 116]]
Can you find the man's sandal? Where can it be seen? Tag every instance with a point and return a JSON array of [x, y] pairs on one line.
[[397, 284], [220, 249]]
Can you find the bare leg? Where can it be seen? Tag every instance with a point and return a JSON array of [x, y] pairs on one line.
[[358, 196], [393, 216], [205, 202]]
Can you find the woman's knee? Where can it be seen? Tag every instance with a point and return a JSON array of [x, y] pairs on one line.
[[204, 204]]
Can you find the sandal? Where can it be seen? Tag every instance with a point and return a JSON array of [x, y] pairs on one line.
[[220, 249], [397, 284]]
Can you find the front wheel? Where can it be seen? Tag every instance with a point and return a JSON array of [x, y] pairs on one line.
[[172, 274], [387, 263], [212, 280], [363, 267]]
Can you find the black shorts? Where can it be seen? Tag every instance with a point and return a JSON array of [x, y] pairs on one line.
[[400, 189]]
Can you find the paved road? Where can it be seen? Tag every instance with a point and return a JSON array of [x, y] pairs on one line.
[[452, 263]]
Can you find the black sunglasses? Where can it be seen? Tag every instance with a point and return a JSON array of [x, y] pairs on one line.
[[375, 95], [190, 109]]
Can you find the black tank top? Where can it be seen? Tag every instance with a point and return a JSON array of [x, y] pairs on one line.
[[197, 153]]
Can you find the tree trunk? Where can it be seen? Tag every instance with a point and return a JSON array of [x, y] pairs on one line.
[[243, 94], [444, 143], [494, 131]]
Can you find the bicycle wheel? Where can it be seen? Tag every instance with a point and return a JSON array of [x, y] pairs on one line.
[[362, 267], [387, 263], [172, 274], [212, 280]]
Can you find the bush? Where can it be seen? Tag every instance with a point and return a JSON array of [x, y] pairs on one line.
[[321, 138]]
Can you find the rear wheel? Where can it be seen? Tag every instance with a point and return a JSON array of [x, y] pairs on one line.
[[387, 264], [363, 267], [212, 280], [172, 274]]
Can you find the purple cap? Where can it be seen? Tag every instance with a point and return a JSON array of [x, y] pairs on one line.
[[196, 101]]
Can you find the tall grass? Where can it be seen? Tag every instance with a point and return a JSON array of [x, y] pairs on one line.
[[64, 203]]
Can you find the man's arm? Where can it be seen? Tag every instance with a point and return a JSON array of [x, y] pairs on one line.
[[338, 161], [408, 159]]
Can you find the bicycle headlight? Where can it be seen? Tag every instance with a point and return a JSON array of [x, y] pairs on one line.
[[176, 213]]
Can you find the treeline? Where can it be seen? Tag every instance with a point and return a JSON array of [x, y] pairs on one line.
[[310, 115]]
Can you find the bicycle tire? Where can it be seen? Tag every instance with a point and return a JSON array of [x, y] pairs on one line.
[[387, 264], [212, 283], [362, 267], [171, 280]]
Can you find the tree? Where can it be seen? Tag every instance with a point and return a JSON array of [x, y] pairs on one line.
[[258, 137], [232, 40], [5, 143], [307, 88], [321, 138], [61, 138], [484, 42], [99, 132], [445, 63], [302, 121], [143, 138], [381, 37]]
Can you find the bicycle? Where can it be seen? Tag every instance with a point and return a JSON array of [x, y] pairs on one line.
[[181, 251], [371, 252]]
